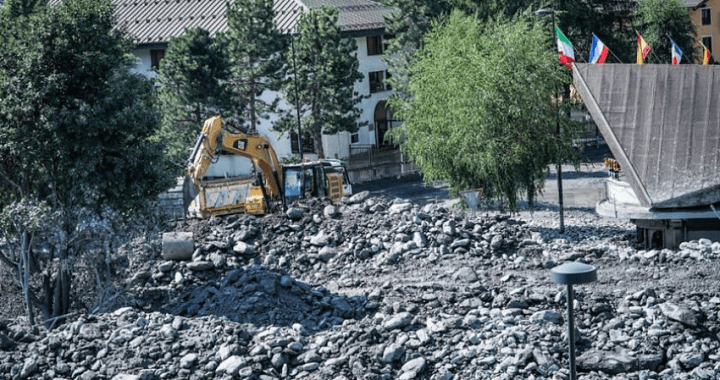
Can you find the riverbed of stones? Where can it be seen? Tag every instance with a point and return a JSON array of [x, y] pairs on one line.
[[373, 288]]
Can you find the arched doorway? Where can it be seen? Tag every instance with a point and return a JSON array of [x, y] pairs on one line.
[[384, 121]]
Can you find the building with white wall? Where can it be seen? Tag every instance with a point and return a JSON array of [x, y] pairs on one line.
[[153, 22]]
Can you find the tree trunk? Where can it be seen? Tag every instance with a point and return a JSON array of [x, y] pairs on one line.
[[61, 294], [319, 149], [25, 262], [253, 118]]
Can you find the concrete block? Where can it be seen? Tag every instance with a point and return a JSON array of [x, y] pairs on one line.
[[177, 245]]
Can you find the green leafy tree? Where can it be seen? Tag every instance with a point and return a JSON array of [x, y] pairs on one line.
[[481, 115], [255, 56], [327, 69], [412, 19], [194, 86], [76, 133], [656, 19]]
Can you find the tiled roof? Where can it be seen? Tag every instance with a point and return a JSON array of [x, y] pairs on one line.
[[156, 21], [694, 3]]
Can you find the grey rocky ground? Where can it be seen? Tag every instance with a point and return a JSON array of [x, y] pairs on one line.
[[387, 289]]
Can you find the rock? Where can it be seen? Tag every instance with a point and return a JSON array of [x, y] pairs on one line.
[[327, 253], [342, 307], [278, 360], [199, 266], [231, 365], [295, 213], [140, 277], [321, 239], [691, 359], [165, 267], [614, 363], [5, 342], [548, 316], [393, 352], [90, 331], [412, 368], [227, 350], [398, 321], [177, 245], [608, 362], [125, 376], [679, 313], [399, 208], [449, 228], [242, 248], [30, 366], [465, 274], [460, 243], [359, 197], [330, 211], [188, 360], [496, 242]]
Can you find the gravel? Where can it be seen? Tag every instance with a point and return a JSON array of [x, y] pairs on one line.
[[375, 288]]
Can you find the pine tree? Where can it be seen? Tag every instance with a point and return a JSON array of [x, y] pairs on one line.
[[255, 56], [193, 78], [327, 69]]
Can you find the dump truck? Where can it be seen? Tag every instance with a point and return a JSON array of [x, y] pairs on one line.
[[214, 186]]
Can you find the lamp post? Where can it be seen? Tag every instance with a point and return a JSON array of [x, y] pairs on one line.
[[541, 13], [569, 274], [297, 95]]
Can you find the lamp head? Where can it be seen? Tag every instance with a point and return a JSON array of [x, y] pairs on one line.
[[544, 12]]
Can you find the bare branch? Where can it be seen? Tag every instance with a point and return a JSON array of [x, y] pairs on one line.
[[7, 180]]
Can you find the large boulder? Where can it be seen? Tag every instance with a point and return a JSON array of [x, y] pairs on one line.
[[177, 245]]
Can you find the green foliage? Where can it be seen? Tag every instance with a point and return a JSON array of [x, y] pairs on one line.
[[254, 46], [73, 121], [194, 86], [76, 136], [327, 69], [480, 115], [655, 19], [294, 159], [19, 8], [413, 19]]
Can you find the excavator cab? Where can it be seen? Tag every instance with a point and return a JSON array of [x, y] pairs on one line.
[[303, 181]]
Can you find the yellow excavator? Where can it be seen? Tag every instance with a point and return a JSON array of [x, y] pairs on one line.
[[214, 186]]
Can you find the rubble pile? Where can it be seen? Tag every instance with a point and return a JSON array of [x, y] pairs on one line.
[[380, 289]]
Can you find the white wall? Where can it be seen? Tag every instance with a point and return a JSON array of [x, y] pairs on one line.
[[368, 64], [143, 65]]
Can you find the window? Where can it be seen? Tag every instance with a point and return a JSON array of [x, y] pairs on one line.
[[308, 143], [155, 57], [707, 41], [705, 16], [354, 138], [378, 81], [374, 45]]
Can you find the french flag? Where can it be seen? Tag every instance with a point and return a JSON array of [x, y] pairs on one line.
[[676, 53], [598, 51]]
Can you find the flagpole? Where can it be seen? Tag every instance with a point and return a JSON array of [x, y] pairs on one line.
[[616, 57], [703, 53]]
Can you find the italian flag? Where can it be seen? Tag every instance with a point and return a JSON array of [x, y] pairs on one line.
[[565, 49]]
